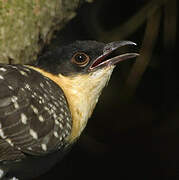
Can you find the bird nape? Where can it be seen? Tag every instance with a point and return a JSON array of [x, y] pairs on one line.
[[44, 107]]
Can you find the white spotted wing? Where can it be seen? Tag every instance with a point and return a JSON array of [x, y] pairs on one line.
[[34, 114]]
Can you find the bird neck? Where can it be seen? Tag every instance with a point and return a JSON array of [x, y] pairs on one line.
[[82, 92]]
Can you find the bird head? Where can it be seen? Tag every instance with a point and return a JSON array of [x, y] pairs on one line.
[[82, 69], [83, 57]]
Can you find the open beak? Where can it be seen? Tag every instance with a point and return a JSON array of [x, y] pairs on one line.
[[108, 59]]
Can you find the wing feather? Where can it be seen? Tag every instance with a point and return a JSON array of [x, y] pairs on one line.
[[32, 113]]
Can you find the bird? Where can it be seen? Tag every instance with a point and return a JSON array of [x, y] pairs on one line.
[[45, 106]]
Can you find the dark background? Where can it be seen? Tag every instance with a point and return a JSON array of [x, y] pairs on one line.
[[127, 138]]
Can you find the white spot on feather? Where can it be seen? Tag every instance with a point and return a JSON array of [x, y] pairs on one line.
[[68, 125], [27, 86], [25, 69], [16, 105], [23, 118], [57, 122], [1, 77], [2, 134], [23, 73], [10, 87], [14, 99], [62, 110], [41, 119], [34, 109], [3, 69], [1, 173], [54, 115], [44, 147], [13, 178], [41, 85], [29, 148], [14, 67], [60, 125], [61, 116], [9, 141], [33, 134], [68, 119], [55, 134], [66, 132]]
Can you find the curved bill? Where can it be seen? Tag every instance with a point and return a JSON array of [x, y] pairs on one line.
[[106, 59]]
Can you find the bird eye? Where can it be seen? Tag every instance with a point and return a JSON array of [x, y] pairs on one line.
[[80, 59]]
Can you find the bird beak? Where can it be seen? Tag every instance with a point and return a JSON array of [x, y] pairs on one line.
[[108, 59]]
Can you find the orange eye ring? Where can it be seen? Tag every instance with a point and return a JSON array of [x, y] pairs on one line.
[[81, 59]]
